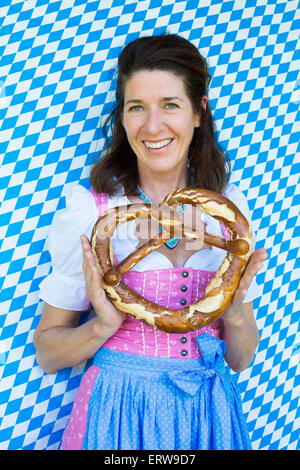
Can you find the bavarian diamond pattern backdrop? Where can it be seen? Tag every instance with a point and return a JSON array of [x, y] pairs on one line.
[[57, 66]]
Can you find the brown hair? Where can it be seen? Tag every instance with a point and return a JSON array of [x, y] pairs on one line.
[[207, 162]]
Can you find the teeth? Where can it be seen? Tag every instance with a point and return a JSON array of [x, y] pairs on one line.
[[157, 145]]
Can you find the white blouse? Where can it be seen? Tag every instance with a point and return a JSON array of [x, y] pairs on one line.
[[64, 287]]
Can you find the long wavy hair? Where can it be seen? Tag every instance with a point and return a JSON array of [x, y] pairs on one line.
[[209, 167]]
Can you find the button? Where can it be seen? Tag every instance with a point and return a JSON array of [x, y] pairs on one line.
[[183, 302], [183, 352], [183, 288], [183, 339], [184, 274]]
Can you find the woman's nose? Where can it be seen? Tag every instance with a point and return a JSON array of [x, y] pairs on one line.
[[154, 122]]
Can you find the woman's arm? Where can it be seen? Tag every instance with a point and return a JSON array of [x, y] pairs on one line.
[[61, 343], [241, 336], [58, 339], [239, 327]]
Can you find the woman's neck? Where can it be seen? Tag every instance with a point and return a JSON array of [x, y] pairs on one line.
[[157, 188]]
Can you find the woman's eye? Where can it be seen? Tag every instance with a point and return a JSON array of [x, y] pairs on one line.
[[136, 108], [171, 106]]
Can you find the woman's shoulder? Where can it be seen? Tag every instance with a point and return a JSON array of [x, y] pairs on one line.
[[235, 194], [77, 195], [79, 213], [232, 191]]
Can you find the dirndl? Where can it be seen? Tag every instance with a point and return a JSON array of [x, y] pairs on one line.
[[149, 403]]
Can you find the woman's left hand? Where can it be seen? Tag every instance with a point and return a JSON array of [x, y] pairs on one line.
[[239, 326], [254, 265]]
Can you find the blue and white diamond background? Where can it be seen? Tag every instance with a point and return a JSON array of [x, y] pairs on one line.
[[56, 79]]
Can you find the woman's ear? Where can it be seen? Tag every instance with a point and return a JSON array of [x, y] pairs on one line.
[[197, 120], [204, 102]]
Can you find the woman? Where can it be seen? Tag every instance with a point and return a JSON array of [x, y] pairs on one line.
[[148, 389]]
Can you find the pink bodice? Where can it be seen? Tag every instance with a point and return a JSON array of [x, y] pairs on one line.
[[171, 288], [166, 287]]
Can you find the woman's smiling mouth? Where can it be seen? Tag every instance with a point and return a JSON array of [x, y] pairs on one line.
[[157, 144]]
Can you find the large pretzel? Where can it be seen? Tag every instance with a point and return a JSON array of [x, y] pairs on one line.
[[218, 293]]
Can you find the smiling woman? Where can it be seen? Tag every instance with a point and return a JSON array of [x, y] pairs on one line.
[[147, 388]]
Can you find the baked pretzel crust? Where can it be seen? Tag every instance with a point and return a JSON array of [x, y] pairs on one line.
[[220, 291]]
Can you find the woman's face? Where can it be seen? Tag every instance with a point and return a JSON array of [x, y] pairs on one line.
[[159, 120]]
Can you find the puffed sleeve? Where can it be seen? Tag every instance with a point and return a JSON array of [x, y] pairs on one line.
[[64, 287]]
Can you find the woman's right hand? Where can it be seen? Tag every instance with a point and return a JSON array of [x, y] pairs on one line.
[[109, 317]]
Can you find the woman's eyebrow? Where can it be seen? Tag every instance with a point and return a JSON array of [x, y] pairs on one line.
[[170, 98], [133, 101], [166, 98]]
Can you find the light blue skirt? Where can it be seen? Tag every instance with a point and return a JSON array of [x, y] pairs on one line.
[[141, 402]]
